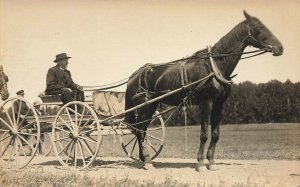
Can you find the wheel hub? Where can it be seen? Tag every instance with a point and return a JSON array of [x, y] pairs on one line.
[[14, 131]]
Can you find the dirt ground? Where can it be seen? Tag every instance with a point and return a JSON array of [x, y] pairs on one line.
[[230, 172]]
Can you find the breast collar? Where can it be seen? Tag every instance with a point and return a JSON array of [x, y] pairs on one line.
[[216, 70]]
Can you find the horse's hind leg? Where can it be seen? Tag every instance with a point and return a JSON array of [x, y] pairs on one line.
[[206, 108], [144, 114], [215, 133]]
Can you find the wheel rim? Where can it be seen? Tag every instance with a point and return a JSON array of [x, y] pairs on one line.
[[76, 138], [154, 139], [19, 133]]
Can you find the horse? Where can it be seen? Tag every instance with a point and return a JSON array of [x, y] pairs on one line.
[[215, 66], [3, 84]]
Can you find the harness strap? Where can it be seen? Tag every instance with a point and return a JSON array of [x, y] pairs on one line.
[[183, 74], [216, 70]]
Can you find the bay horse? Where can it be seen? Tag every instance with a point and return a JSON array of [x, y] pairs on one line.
[[3, 84], [216, 64]]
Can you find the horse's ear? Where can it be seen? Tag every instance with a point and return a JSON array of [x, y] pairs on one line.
[[247, 15], [1, 68]]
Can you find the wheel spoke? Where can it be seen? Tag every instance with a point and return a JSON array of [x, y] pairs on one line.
[[5, 138], [69, 154], [24, 133], [62, 130], [69, 115], [16, 152], [2, 130], [19, 111], [75, 153], [65, 123], [82, 115], [153, 137], [88, 131], [130, 141], [85, 124], [6, 147], [24, 118], [151, 146], [89, 139], [65, 148], [87, 147], [24, 127], [5, 123], [133, 147], [154, 129], [22, 148], [81, 151], [64, 138], [76, 120], [13, 112], [9, 118], [11, 152], [25, 141]]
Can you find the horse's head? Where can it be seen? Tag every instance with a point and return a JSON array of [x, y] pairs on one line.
[[3, 84], [261, 37]]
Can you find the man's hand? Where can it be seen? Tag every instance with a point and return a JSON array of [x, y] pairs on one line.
[[66, 89], [79, 87]]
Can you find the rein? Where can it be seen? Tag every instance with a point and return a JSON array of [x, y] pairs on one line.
[[207, 55]]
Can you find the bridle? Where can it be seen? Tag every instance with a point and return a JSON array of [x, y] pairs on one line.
[[4, 80], [246, 41]]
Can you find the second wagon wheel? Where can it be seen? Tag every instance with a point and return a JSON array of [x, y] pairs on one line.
[[76, 135], [154, 139], [19, 133]]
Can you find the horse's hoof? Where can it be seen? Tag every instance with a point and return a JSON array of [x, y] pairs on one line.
[[213, 167], [148, 167], [201, 168]]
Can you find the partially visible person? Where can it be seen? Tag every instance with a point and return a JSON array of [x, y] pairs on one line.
[[20, 93], [38, 108], [59, 81]]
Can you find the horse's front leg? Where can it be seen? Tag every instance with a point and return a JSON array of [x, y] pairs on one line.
[[205, 120], [215, 134]]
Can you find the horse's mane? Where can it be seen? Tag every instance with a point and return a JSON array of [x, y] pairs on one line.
[[232, 36]]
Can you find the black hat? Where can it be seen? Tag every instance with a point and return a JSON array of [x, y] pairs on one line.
[[20, 92], [61, 57]]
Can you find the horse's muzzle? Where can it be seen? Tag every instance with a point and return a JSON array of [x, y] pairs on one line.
[[277, 50]]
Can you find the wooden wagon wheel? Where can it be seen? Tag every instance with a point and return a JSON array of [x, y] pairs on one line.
[[76, 135], [155, 136], [19, 124]]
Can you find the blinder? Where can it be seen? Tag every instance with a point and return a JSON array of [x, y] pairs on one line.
[[265, 46]]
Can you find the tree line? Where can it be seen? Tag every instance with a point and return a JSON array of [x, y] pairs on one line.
[[271, 102]]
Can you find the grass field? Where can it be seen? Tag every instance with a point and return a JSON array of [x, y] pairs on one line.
[[249, 142]]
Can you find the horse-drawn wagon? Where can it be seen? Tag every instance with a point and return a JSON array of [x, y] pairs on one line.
[[75, 135], [77, 129]]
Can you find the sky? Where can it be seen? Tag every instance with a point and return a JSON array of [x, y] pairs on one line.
[[108, 40]]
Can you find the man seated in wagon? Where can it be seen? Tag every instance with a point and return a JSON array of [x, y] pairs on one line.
[[59, 81]]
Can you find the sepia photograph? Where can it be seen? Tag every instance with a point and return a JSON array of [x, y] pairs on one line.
[[142, 93]]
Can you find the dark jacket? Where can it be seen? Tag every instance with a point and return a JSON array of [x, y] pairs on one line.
[[58, 79]]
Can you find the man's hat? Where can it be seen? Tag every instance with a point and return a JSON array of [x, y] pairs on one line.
[[20, 92], [61, 57]]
